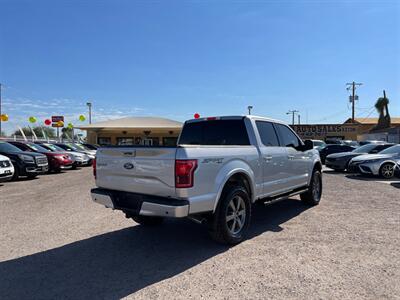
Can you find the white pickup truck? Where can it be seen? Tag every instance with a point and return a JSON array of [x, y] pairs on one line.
[[220, 167]]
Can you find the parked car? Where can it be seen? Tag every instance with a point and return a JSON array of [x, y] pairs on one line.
[[57, 160], [318, 144], [91, 146], [397, 169], [29, 164], [340, 161], [350, 143], [6, 169], [333, 148], [75, 148], [79, 159], [362, 143], [381, 164], [220, 167]]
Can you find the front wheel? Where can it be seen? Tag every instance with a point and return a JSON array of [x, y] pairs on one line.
[[314, 192], [387, 170], [231, 220]]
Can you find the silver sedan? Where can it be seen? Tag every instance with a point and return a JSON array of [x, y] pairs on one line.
[[382, 164]]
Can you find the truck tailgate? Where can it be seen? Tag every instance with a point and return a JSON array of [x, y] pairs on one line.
[[144, 170]]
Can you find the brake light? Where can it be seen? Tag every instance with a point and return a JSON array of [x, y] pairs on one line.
[[184, 173], [94, 168]]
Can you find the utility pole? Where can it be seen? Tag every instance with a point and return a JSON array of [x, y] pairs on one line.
[[298, 118], [249, 108], [89, 104], [352, 87], [293, 113]]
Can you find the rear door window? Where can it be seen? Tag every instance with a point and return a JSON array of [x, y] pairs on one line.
[[267, 133], [215, 132]]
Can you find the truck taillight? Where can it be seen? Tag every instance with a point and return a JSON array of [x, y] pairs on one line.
[[184, 173], [94, 168]]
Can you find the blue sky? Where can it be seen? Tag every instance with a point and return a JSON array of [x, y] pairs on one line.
[[175, 58]]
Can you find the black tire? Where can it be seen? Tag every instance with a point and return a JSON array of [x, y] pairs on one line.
[[148, 220], [74, 167], [314, 192], [387, 170], [218, 223], [16, 174], [32, 176]]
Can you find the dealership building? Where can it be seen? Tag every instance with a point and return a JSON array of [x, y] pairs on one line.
[[360, 129], [150, 131], [156, 131]]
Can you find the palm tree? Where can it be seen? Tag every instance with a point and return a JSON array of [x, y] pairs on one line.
[[381, 106]]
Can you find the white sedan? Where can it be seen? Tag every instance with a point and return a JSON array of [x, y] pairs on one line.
[[6, 169]]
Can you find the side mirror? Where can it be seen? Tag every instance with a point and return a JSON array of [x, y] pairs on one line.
[[308, 145]]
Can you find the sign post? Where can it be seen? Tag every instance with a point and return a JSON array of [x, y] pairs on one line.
[[57, 121]]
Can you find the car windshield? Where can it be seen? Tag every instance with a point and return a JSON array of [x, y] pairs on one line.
[[78, 146], [391, 150], [54, 148], [365, 149], [36, 147], [318, 143], [72, 147], [6, 147]]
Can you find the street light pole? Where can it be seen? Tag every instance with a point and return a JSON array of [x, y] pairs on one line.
[[293, 113], [89, 105]]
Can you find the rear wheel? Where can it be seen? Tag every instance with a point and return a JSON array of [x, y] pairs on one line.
[[231, 220], [314, 192], [148, 220], [387, 170]]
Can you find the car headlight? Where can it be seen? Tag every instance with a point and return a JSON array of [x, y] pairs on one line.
[[26, 158], [369, 161]]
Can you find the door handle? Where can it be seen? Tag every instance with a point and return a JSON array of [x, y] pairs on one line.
[[267, 158], [291, 157]]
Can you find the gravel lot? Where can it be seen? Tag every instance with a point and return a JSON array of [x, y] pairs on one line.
[[56, 243]]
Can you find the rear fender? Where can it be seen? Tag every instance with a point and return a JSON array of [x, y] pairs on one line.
[[230, 169]]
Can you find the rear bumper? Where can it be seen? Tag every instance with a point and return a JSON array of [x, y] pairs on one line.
[[139, 204]]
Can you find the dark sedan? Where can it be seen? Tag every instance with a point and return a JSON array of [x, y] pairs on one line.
[[340, 161], [333, 148]]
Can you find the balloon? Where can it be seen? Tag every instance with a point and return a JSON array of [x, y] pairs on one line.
[[70, 125], [82, 118], [32, 119], [47, 122], [196, 116], [4, 117], [60, 124]]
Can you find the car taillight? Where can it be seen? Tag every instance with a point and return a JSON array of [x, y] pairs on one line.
[[94, 168], [184, 173]]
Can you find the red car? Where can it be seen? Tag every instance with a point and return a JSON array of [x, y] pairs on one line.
[[57, 160]]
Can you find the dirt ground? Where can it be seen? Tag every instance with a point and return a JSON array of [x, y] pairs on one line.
[[56, 243]]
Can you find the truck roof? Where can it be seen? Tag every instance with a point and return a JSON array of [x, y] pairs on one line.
[[252, 117]]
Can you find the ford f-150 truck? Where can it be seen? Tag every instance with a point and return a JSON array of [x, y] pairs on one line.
[[220, 167]]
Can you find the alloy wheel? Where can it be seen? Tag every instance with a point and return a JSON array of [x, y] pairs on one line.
[[388, 171], [316, 187], [235, 215]]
